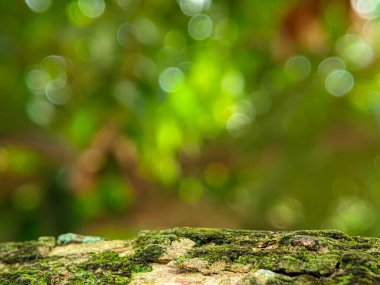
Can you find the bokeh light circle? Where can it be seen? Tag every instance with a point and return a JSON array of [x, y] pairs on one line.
[[38, 6], [238, 124], [367, 9], [171, 79], [36, 80], [92, 8], [329, 65], [297, 68], [355, 51], [146, 31], [125, 36], [27, 197], [200, 27], [40, 112], [191, 7], [339, 83], [57, 93], [233, 83], [126, 92]]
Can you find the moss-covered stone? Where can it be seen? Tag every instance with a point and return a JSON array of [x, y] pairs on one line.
[[19, 252], [197, 255], [110, 266]]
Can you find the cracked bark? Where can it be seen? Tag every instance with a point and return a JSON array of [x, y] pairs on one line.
[[195, 256]]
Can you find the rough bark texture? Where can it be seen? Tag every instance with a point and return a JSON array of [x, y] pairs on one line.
[[195, 256]]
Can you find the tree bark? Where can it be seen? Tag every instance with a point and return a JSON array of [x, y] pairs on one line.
[[195, 256]]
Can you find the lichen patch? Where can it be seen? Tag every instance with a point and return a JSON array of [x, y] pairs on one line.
[[162, 274], [86, 248], [177, 249]]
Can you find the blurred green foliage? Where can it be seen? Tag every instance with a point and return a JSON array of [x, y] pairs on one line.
[[269, 109]]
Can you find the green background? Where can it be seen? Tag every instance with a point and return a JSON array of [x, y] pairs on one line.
[[122, 115]]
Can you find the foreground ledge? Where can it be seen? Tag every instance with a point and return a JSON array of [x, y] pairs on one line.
[[195, 256]]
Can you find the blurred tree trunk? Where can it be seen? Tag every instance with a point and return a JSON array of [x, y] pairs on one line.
[[195, 256]]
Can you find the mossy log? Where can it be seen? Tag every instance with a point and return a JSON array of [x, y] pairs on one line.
[[195, 256]]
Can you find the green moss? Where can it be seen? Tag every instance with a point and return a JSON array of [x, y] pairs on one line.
[[112, 268], [355, 260], [264, 250], [204, 236], [82, 277], [299, 257], [275, 260], [303, 255], [104, 268], [19, 252], [155, 237], [361, 276], [27, 275], [270, 278]]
